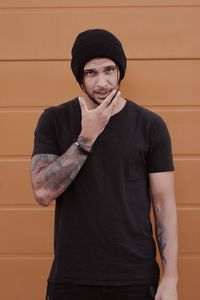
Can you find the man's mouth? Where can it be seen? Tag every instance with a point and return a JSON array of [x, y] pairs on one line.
[[102, 94]]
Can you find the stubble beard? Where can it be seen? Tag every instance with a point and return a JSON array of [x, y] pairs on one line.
[[92, 98]]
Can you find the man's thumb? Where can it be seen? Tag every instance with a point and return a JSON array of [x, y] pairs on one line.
[[82, 104]]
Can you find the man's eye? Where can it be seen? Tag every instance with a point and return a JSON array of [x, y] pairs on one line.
[[109, 70], [89, 73]]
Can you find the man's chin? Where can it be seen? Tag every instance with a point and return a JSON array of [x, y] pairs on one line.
[[100, 100], [97, 100]]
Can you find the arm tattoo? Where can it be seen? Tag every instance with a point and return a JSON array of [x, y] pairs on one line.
[[54, 173], [38, 161], [63, 171], [160, 233]]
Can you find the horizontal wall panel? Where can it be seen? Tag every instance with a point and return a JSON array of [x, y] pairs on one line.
[[15, 183], [175, 82], [26, 231], [94, 3], [149, 82], [188, 285], [184, 130], [37, 83], [24, 278], [31, 231], [16, 130], [146, 32], [187, 181], [187, 190], [189, 230]]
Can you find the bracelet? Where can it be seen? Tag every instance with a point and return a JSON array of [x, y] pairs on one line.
[[82, 150]]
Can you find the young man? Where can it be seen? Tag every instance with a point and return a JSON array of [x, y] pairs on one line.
[[105, 159]]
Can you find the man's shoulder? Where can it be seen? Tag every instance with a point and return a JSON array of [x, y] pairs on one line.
[[145, 113], [61, 110], [69, 104]]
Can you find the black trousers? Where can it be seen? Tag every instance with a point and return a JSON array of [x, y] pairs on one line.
[[88, 292]]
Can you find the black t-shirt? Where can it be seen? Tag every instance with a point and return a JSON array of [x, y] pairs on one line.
[[103, 233]]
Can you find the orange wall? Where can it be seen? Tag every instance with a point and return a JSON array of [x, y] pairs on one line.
[[161, 39]]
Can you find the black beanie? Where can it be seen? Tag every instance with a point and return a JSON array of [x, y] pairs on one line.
[[94, 43]]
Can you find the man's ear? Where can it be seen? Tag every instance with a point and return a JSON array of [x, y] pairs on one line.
[[118, 78]]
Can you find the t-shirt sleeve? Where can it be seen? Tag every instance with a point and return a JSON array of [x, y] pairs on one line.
[[159, 158], [45, 140]]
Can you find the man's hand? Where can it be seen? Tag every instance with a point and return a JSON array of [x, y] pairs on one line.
[[167, 290], [94, 121]]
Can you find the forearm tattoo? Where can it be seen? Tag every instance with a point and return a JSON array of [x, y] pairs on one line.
[[160, 233], [56, 173], [61, 173]]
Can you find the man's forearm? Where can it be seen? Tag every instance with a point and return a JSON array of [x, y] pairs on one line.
[[51, 175], [166, 232]]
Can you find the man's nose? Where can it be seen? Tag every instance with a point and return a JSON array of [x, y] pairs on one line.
[[101, 80]]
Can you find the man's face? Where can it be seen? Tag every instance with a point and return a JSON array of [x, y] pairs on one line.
[[100, 77]]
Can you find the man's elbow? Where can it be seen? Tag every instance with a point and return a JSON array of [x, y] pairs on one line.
[[42, 198]]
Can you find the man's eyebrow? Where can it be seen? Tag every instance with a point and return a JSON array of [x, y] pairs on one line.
[[110, 66], [94, 69], [89, 69]]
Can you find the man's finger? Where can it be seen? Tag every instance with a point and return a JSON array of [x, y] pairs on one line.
[[157, 297], [111, 106], [105, 102]]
